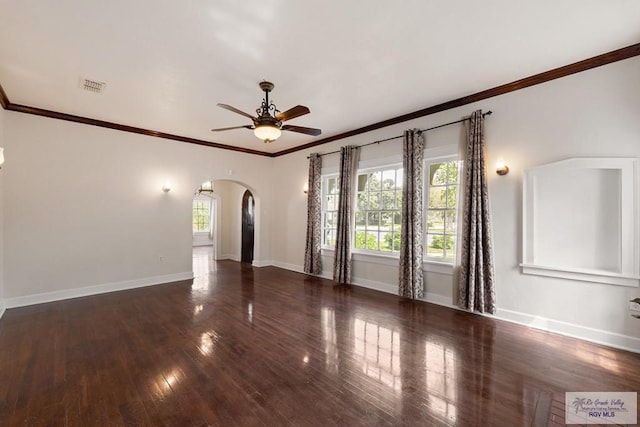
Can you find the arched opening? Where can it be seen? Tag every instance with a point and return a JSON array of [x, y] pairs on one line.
[[234, 225]]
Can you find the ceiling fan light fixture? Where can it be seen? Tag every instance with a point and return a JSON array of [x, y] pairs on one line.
[[267, 132]]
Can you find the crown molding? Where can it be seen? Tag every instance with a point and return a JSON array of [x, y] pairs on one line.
[[125, 128], [556, 73]]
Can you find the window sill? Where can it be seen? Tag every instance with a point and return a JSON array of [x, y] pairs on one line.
[[391, 260]]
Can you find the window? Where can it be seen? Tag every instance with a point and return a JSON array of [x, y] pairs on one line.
[[201, 214], [378, 210], [441, 210], [330, 191]]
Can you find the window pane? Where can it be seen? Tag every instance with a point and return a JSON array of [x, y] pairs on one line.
[[450, 247], [389, 179], [360, 220], [452, 192], [437, 197], [386, 241], [435, 245], [435, 221], [451, 222], [388, 199], [362, 182], [386, 220], [437, 174], [396, 239], [332, 203], [330, 237], [373, 219], [360, 235], [452, 172], [362, 201], [374, 181], [399, 200], [374, 201], [331, 220], [372, 240], [332, 186]]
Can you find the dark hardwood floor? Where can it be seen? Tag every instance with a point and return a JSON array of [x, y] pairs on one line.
[[264, 346]]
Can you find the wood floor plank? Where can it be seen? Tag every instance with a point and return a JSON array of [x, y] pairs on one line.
[[268, 347]]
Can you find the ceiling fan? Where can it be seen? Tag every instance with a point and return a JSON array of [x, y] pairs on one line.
[[268, 124]]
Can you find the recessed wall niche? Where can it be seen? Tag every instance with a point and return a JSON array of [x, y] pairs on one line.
[[580, 220]]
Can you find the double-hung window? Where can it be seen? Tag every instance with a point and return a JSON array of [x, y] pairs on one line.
[[201, 214], [441, 208], [330, 192], [378, 210]]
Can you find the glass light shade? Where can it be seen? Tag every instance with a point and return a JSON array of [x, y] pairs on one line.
[[267, 132]]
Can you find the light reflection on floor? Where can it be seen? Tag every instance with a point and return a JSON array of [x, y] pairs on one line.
[[203, 264]]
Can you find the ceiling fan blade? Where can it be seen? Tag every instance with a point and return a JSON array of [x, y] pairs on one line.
[[235, 110], [292, 113], [233, 127], [301, 129]]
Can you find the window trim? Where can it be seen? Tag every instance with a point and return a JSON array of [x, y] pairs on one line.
[[429, 264], [201, 199], [362, 171], [323, 179], [426, 163]]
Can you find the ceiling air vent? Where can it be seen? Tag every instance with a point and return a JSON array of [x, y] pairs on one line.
[[92, 85]]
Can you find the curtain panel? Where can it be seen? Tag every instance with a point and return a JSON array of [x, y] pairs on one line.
[[476, 277], [411, 281], [342, 255], [312, 259]]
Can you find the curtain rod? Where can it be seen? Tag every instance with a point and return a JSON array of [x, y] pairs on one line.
[[488, 113]]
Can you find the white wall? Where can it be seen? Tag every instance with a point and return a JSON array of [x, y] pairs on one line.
[[594, 113], [84, 211], [231, 218]]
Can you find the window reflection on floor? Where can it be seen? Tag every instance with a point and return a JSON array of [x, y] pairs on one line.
[[378, 349], [207, 342], [328, 319], [441, 380], [202, 266]]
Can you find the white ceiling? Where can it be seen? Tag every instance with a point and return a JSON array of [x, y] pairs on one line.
[[168, 63]]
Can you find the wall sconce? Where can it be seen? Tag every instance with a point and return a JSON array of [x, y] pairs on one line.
[[1, 157], [305, 188], [501, 167], [166, 187]]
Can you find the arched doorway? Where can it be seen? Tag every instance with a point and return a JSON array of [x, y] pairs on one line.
[[248, 226]]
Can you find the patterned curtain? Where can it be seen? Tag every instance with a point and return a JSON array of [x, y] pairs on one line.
[[312, 260], [342, 257], [476, 281], [411, 284]]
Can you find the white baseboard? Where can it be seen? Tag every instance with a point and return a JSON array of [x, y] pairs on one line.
[[230, 256], [3, 308], [285, 266], [259, 263], [598, 336], [95, 290]]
